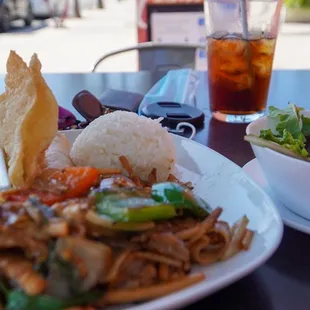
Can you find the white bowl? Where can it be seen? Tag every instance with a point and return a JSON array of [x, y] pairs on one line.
[[288, 177]]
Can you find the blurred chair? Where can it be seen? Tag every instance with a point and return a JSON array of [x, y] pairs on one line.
[[159, 56]]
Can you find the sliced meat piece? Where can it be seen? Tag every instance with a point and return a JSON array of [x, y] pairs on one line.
[[93, 257], [172, 226], [12, 212], [12, 238], [117, 181], [19, 270], [73, 210], [169, 245], [136, 272]]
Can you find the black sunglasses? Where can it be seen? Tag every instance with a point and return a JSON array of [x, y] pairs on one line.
[[88, 105]]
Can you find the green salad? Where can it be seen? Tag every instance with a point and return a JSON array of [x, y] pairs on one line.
[[287, 132]]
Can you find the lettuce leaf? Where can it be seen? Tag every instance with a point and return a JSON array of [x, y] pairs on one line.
[[289, 119], [306, 126], [287, 140]]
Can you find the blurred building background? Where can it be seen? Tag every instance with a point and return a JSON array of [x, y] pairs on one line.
[[81, 41]]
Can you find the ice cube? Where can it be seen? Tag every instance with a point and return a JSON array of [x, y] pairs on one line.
[[265, 46], [262, 65], [235, 47], [234, 67], [227, 47], [234, 82], [243, 81]]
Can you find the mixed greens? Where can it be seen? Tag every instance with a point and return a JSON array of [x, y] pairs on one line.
[[287, 133], [18, 300]]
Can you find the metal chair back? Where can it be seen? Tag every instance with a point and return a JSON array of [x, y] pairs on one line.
[[159, 56]]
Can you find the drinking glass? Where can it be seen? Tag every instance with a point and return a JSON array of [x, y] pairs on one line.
[[241, 41]]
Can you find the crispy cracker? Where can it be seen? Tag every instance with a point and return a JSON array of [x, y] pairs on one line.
[[28, 119]]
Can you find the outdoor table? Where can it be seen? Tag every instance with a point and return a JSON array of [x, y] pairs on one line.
[[283, 282]]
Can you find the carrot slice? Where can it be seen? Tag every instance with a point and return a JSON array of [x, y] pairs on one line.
[[77, 180]]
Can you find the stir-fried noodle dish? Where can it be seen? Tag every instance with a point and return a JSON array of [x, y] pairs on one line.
[[104, 222], [124, 241]]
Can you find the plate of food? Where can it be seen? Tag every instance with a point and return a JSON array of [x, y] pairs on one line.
[[121, 215]]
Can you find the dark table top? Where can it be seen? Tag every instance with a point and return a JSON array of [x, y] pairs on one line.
[[283, 283]]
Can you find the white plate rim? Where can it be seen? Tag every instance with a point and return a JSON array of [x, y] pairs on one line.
[[284, 215]]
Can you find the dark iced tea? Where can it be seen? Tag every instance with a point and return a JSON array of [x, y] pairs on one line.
[[239, 75]]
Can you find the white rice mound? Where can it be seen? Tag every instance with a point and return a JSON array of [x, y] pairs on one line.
[[144, 142]]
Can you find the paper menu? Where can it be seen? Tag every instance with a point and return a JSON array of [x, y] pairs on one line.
[[180, 27]]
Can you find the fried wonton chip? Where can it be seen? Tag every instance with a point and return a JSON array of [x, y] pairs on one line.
[[28, 119]]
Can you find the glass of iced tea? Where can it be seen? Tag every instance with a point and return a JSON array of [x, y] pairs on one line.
[[240, 59]]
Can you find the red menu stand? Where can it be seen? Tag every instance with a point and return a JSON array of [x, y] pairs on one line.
[[172, 21]]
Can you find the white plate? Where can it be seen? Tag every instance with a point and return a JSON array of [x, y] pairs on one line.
[[221, 183], [290, 218]]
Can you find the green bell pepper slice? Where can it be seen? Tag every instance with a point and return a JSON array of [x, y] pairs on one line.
[[121, 207], [181, 198]]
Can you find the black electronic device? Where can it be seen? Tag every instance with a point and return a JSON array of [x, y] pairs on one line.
[[174, 113]]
